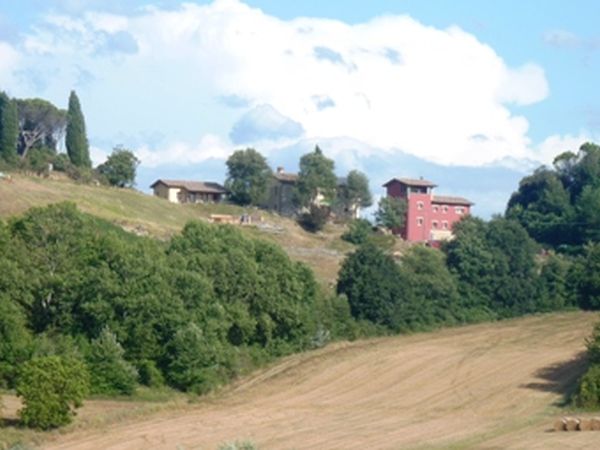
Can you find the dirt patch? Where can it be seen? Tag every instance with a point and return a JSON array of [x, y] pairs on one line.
[[471, 387]]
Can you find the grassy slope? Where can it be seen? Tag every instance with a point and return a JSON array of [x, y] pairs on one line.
[[494, 385], [144, 213]]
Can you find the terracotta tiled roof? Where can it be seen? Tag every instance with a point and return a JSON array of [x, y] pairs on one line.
[[412, 182], [193, 186], [451, 200], [286, 177]]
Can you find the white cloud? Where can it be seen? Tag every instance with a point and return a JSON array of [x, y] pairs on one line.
[[554, 145], [391, 82], [9, 59], [182, 154]]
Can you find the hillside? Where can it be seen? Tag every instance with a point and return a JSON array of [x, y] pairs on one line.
[[485, 386], [145, 214]]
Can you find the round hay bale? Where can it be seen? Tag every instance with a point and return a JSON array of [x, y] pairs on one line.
[[560, 424], [572, 424], [596, 423], [585, 424]]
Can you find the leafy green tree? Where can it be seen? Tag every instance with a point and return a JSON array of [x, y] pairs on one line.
[[76, 137], [40, 123], [120, 168], [555, 292], [110, 372], [52, 388], [589, 282], [315, 218], [9, 129], [248, 177], [15, 341], [391, 213], [372, 282], [359, 231], [355, 192], [316, 179], [431, 295], [198, 360]]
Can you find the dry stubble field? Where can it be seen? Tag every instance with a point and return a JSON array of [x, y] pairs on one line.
[[483, 386]]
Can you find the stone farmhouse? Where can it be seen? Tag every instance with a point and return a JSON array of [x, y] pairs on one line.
[[429, 218], [180, 191]]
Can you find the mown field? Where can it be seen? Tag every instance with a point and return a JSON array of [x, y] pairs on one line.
[[497, 385], [144, 214]]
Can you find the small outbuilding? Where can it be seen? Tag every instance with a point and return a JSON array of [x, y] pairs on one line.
[[181, 191]]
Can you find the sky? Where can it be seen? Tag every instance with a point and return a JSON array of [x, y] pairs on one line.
[[472, 95]]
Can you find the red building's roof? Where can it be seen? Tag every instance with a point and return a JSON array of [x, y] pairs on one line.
[[411, 182], [451, 200]]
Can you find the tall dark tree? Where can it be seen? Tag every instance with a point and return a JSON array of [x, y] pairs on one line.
[[40, 124], [248, 176], [76, 138], [9, 129], [315, 179]]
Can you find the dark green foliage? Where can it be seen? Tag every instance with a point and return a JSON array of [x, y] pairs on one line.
[[589, 278], [359, 230], [9, 129], [354, 193], [371, 281], [76, 138], [40, 124], [559, 207], [315, 218], [495, 266], [16, 343], [120, 168], [110, 372], [51, 388], [391, 213], [66, 278], [315, 179], [149, 374], [588, 390], [248, 176], [555, 291]]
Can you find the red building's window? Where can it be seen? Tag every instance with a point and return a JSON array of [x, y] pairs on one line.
[[445, 225], [444, 209], [420, 205], [419, 221], [434, 224]]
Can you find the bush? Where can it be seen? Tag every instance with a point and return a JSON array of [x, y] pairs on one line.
[[238, 445], [150, 375], [358, 232], [315, 219], [111, 374], [52, 388], [588, 391]]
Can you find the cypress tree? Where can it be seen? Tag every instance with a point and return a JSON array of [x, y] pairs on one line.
[[9, 129], [76, 139]]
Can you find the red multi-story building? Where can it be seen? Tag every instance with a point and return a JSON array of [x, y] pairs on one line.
[[429, 218]]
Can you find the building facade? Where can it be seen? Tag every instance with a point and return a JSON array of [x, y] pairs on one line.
[[429, 218], [180, 191]]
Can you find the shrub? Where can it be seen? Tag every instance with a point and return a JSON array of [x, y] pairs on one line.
[[111, 373], [51, 387], [150, 375], [238, 445], [588, 391], [315, 219], [358, 232]]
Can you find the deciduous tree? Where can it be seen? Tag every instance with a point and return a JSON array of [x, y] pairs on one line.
[[120, 167], [248, 177]]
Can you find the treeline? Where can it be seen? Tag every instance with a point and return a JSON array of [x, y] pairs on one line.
[[32, 132], [490, 270], [559, 206], [192, 312]]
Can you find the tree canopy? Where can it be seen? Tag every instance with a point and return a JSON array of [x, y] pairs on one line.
[[9, 129], [354, 193], [120, 168], [76, 138], [391, 212], [40, 123], [248, 177], [316, 179]]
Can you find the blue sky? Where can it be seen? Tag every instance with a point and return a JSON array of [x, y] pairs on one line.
[[470, 94]]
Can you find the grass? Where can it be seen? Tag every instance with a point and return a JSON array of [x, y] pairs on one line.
[[148, 215]]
